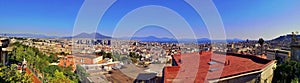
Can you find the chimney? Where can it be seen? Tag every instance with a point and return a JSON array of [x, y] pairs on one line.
[[200, 53], [180, 61], [227, 62]]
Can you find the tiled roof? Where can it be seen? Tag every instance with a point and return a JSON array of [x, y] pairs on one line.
[[194, 65], [34, 78]]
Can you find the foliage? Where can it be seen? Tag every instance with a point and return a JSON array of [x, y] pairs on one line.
[[296, 80], [134, 55], [134, 60], [71, 75], [287, 72], [19, 38], [67, 72], [108, 55], [261, 41], [12, 75], [52, 58], [116, 57], [59, 77], [104, 54], [49, 70], [82, 74], [40, 61]]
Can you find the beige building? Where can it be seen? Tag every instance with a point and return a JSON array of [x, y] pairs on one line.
[[279, 55]]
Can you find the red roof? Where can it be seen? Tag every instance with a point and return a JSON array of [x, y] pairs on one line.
[[193, 65], [69, 56], [34, 78]]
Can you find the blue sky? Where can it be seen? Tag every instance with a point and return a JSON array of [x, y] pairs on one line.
[[243, 19]]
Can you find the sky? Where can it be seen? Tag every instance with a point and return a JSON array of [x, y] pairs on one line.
[[242, 19]]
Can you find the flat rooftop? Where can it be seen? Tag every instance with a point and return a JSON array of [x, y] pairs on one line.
[[91, 56]]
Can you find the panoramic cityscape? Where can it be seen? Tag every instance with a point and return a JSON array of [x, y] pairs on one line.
[[149, 41]]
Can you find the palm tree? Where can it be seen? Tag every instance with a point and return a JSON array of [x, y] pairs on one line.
[[261, 41]]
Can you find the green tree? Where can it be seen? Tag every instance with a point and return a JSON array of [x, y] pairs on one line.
[[12, 75], [81, 72], [51, 69], [108, 55], [261, 41], [59, 77], [134, 60], [39, 62], [52, 58], [287, 72], [295, 80], [133, 55]]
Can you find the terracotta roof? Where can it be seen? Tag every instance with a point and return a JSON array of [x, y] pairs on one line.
[[194, 65], [34, 78], [69, 56], [102, 61]]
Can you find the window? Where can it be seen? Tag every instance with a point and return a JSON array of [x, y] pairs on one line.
[[266, 81], [212, 62], [213, 69], [81, 60], [65, 64]]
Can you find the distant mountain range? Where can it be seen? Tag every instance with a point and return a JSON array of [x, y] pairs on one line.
[[143, 39], [285, 38], [27, 35], [82, 35], [150, 39], [164, 39], [92, 35]]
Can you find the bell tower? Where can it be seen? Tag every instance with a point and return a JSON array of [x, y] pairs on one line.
[[295, 47]]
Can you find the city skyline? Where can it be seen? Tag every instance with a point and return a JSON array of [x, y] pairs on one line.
[[149, 41], [242, 19]]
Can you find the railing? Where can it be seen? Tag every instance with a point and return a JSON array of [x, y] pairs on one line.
[[35, 73]]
